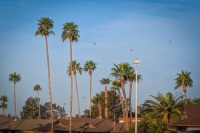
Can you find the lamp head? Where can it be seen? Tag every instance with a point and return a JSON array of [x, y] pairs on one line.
[[136, 61]]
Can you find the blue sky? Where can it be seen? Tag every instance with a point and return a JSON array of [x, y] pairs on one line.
[[164, 35]]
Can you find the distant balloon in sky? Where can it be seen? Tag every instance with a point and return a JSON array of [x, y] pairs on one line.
[[131, 50], [94, 43]]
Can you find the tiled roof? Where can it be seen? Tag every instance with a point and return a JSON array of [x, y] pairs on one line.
[[193, 118], [78, 124]]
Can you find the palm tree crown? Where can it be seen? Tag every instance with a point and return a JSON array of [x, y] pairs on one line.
[[105, 81], [44, 27], [37, 88], [75, 68], [183, 80], [90, 66], [14, 77], [70, 32], [168, 107]]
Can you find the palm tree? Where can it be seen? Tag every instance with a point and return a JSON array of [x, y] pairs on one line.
[[14, 77], [89, 67], [132, 78], [106, 81], [121, 71], [45, 26], [70, 32], [116, 86], [76, 68], [168, 107], [38, 88], [183, 80], [3, 104]]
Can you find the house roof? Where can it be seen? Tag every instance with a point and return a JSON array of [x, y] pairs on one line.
[[192, 118], [44, 125], [90, 125]]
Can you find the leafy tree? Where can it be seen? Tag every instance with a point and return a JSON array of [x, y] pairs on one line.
[[45, 26], [168, 107], [3, 104], [89, 67], [70, 32], [105, 82], [38, 88], [76, 68], [30, 110], [114, 106], [184, 80], [14, 77]]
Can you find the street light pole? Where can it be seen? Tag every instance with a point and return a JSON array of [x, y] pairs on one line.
[[136, 62]]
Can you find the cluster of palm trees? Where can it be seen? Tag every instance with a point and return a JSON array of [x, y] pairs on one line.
[[3, 105], [122, 72], [71, 33]]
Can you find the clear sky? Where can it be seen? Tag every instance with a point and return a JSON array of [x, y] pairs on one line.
[[164, 35]]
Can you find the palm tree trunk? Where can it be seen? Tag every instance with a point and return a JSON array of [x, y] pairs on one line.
[[125, 102], [130, 102], [3, 110], [185, 93], [90, 94], [106, 103], [79, 113], [39, 116], [71, 88], [15, 99], [122, 103], [49, 83]]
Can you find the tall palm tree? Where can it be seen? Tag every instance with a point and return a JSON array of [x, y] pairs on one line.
[[89, 67], [132, 78], [45, 26], [14, 77], [3, 104], [76, 68], [121, 72], [71, 33], [116, 86], [38, 88], [105, 82], [184, 80], [168, 107]]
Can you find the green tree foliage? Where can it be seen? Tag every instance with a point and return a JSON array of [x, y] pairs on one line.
[[167, 107], [30, 110], [114, 106], [194, 101], [3, 104]]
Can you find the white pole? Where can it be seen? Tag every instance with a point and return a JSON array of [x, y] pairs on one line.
[[136, 100]]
